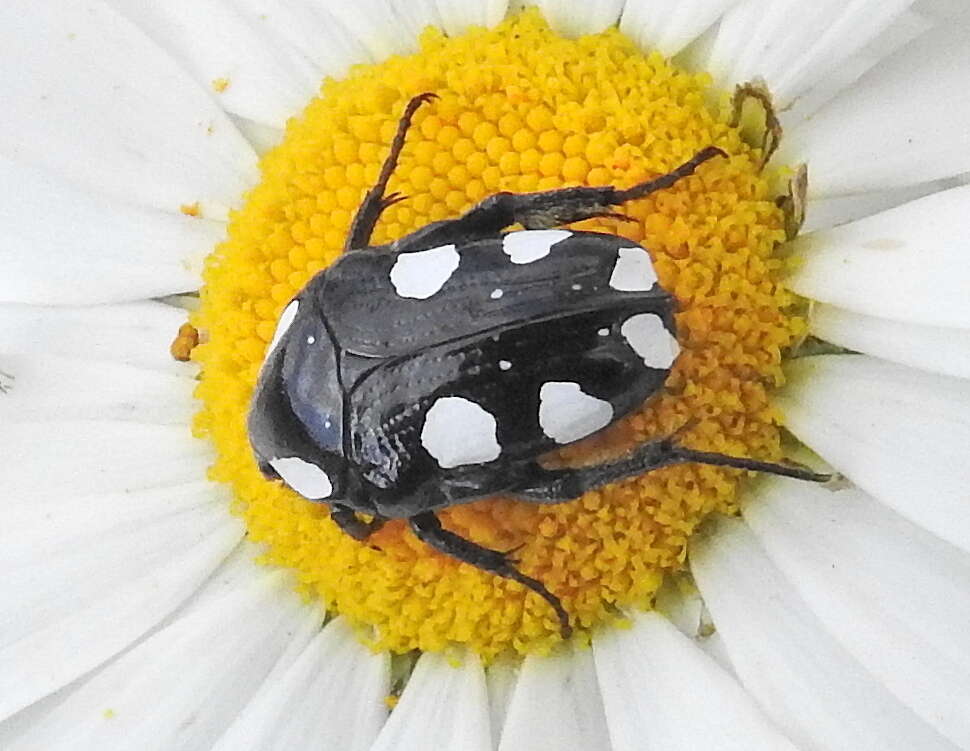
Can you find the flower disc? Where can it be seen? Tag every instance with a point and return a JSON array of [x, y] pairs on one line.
[[520, 109]]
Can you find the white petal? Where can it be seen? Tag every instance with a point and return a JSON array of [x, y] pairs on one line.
[[261, 137], [182, 686], [458, 15], [824, 213], [415, 16], [47, 388], [848, 556], [386, 27], [33, 525], [237, 572], [899, 434], [662, 692], [670, 25], [804, 679], [683, 609], [137, 334], [65, 245], [334, 690], [713, 646], [901, 124], [78, 588], [251, 48], [94, 100], [687, 612], [573, 19], [48, 460], [310, 28], [443, 707], [500, 679], [571, 718], [948, 11], [904, 28], [907, 264], [790, 44], [931, 348]]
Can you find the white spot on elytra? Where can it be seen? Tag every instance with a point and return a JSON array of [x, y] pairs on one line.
[[531, 245], [645, 332], [419, 275], [603, 332], [576, 287], [496, 294], [457, 431], [633, 271], [284, 323], [306, 479], [504, 365], [311, 340], [567, 413]]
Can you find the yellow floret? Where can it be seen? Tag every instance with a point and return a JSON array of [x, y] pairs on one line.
[[543, 112]]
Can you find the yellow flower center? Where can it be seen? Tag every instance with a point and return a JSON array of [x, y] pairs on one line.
[[520, 109]]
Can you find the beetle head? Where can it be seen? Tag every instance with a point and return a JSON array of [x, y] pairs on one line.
[[295, 421]]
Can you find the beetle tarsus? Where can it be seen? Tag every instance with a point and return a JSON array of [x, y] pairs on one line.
[[374, 202], [428, 529], [393, 198], [796, 471], [348, 521], [837, 481], [619, 217]]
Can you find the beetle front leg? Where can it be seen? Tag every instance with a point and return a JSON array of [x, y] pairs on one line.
[[547, 209], [345, 518], [553, 208], [428, 529], [559, 485]]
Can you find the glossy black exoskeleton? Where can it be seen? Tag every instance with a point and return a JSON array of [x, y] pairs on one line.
[[436, 370]]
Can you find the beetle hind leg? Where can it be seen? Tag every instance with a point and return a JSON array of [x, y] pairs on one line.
[[543, 485], [428, 529]]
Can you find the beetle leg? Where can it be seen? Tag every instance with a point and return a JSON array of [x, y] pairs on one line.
[[554, 208], [374, 202], [559, 485], [428, 529], [641, 190], [551, 208], [345, 518]]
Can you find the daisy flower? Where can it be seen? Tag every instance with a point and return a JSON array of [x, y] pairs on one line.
[[180, 170]]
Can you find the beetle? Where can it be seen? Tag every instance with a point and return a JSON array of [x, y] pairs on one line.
[[439, 368]]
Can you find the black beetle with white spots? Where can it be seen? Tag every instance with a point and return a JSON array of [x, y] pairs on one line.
[[439, 369]]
